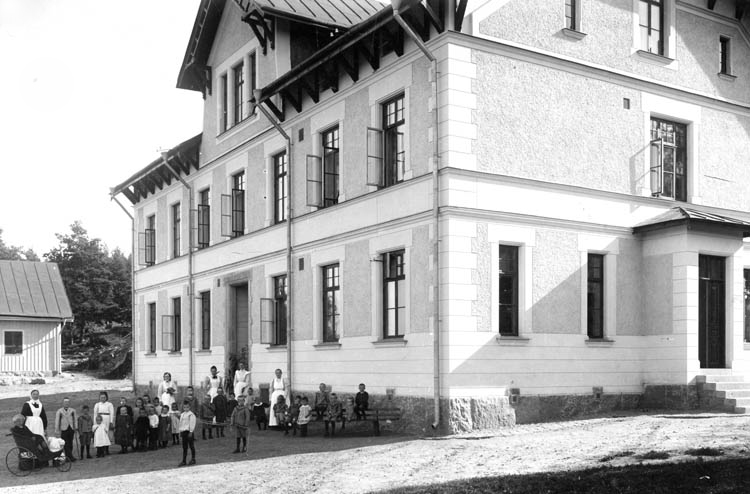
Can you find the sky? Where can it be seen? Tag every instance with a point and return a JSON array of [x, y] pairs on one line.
[[87, 98]]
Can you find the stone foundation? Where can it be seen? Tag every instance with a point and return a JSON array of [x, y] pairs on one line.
[[531, 409], [682, 397]]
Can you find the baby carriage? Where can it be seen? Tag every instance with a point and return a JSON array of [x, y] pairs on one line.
[[31, 453]]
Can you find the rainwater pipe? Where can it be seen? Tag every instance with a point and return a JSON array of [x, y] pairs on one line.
[[191, 298], [132, 282], [396, 4], [290, 285]]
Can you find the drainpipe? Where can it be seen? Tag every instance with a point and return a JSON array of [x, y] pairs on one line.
[[132, 283], [191, 298], [435, 211], [290, 284]]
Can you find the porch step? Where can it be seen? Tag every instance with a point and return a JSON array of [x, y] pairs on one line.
[[733, 393], [727, 386], [733, 389], [716, 378]]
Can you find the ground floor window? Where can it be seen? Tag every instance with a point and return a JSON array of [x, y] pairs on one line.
[[205, 320], [13, 342], [508, 283], [747, 305], [595, 298], [152, 327]]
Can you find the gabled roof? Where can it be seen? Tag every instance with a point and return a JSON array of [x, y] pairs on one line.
[[334, 13], [33, 289], [689, 217]]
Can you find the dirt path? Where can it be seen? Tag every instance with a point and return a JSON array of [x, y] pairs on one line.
[[359, 463]]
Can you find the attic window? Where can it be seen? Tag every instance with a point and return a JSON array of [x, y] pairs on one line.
[[13, 342]]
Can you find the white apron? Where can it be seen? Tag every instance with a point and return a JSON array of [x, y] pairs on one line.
[[107, 411], [166, 398], [278, 390], [239, 383], [34, 422], [213, 383]]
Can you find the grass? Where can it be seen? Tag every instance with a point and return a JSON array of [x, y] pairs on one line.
[[653, 455], [622, 454], [714, 477], [704, 452]]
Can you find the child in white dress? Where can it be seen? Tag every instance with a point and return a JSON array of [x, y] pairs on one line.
[[101, 436]]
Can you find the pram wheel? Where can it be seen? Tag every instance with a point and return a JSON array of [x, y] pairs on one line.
[[20, 461]]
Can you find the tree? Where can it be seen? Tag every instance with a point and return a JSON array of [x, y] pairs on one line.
[[98, 286], [14, 252]]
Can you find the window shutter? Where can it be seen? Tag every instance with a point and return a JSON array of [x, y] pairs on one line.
[[238, 211], [194, 229], [267, 323], [141, 248], [150, 247], [657, 167], [226, 215], [314, 181], [167, 333], [374, 157]]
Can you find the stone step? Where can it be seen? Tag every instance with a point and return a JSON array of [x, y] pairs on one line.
[[738, 402], [742, 410], [733, 393], [727, 386], [711, 378]]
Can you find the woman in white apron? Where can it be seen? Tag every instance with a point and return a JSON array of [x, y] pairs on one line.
[[36, 417], [166, 390], [278, 388], [213, 382], [106, 410], [241, 381]]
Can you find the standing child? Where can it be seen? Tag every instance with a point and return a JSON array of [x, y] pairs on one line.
[[195, 404], [123, 427], [187, 432], [361, 402], [241, 419], [85, 429], [141, 430], [165, 426], [232, 403], [280, 410], [305, 413], [333, 413], [207, 417], [174, 416], [259, 412], [153, 428], [220, 411], [101, 436]]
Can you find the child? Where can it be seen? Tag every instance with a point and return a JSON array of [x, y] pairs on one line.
[[85, 425], [157, 405], [165, 426], [207, 417], [187, 432], [137, 413], [361, 402], [232, 403], [195, 404], [153, 428], [241, 418], [280, 410], [146, 400], [220, 410], [174, 416], [259, 412], [305, 413], [348, 414], [294, 414], [333, 413], [141, 429], [123, 426], [101, 436]]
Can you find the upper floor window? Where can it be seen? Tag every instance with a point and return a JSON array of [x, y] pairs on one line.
[[177, 323], [595, 296], [746, 298], [238, 84], [651, 22], [394, 294], [13, 342], [149, 239], [238, 204], [323, 173], [176, 220], [725, 65], [331, 303], [224, 102], [280, 188], [253, 77], [668, 159], [204, 218], [508, 290], [152, 327], [386, 155], [571, 15]]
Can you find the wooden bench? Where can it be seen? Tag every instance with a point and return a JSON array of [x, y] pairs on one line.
[[378, 415]]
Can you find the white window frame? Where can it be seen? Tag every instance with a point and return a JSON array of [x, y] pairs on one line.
[[609, 247], [318, 260], [377, 246], [225, 69], [669, 37]]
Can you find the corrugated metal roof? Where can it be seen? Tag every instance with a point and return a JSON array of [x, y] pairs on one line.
[[682, 215], [344, 13], [33, 289]]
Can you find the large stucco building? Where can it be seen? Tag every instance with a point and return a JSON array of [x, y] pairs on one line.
[[592, 172]]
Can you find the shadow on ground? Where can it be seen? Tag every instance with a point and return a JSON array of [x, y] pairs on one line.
[[720, 476]]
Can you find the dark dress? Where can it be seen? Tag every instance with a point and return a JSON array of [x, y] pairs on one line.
[[231, 405], [141, 431], [123, 430], [165, 428], [220, 409]]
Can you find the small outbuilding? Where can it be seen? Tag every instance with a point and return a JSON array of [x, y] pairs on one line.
[[33, 309]]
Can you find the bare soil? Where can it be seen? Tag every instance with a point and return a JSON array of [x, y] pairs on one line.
[[355, 461]]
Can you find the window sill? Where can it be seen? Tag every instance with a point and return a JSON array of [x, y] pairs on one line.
[[390, 342], [150, 355], [177, 353], [276, 348], [727, 77], [328, 345], [203, 352], [654, 58], [600, 342], [572, 33], [512, 340]]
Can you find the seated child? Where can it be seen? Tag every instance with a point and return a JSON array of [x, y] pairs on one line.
[[361, 402], [259, 413], [293, 414], [349, 413], [333, 413], [305, 414], [280, 410]]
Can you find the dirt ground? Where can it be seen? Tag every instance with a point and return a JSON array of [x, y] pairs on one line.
[[67, 382], [357, 462]]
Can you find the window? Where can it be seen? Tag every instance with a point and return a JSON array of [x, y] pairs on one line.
[[176, 230], [595, 298], [238, 96], [13, 342], [331, 303], [223, 87], [571, 15], [280, 187], [204, 218], [668, 159], [508, 290], [150, 237], [393, 140], [394, 294], [253, 77], [331, 167], [651, 20], [724, 57], [233, 208], [177, 324], [747, 304], [273, 320], [205, 320], [152, 327]]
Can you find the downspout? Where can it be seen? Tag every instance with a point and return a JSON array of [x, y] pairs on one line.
[[290, 284], [191, 298], [132, 284], [435, 213]]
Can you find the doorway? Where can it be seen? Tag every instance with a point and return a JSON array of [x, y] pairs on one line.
[[711, 312], [239, 318]]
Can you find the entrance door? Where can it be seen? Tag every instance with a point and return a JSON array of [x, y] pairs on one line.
[[711, 312], [238, 337]]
